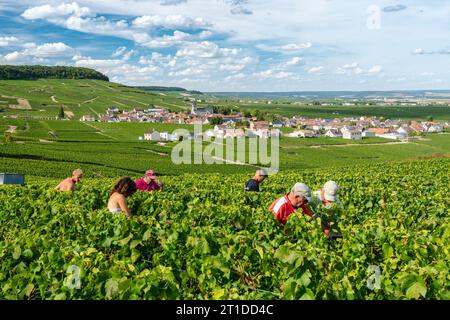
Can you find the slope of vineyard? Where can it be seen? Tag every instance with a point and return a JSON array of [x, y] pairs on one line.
[[204, 238]]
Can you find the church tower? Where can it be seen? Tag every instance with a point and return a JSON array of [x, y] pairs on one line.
[[194, 107]]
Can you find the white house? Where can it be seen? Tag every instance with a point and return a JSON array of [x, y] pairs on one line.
[[435, 128], [303, 134], [87, 118], [152, 135], [166, 136], [333, 133], [352, 135]]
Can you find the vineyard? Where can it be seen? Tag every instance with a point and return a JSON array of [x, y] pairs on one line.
[[204, 238]]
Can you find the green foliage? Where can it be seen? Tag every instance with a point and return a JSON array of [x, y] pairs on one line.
[[203, 237], [9, 72]]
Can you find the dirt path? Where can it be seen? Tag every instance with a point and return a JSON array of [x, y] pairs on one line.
[[158, 153], [103, 85], [69, 114], [122, 104], [88, 101], [11, 129]]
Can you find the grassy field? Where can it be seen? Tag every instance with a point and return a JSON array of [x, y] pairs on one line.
[[79, 97], [438, 112], [55, 148]]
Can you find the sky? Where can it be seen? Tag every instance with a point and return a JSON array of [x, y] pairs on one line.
[[238, 45]]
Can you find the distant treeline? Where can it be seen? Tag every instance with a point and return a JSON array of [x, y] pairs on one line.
[[8, 72], [159, 88]]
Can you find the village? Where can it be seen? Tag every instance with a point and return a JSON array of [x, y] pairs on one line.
[[237, 126]]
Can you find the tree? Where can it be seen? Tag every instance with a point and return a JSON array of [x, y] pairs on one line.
[[61, 113], [215, 121]]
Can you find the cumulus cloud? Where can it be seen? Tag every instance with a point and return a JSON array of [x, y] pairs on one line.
[[295, 61], [7, 41], [74, 17], [396, 8], [170, 21], [205, 49], [34, 53], [50, 12], [296, 46], [375, 69], [316, 70], [273, 74], [355, 69]]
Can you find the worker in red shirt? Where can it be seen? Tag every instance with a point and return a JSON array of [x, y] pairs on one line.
[[298, 198], [148, 182]]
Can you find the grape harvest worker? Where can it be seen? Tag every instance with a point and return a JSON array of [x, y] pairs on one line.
[[327, 195], [148, 182], [123, 189], [298, 198], [69, 183], [258, 178]]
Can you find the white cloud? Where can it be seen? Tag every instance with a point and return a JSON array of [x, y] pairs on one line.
[[315, 70], [273, 74], [177, 38], [50, 12], [375, 69], [205, 49], [34, 53], [119, 51], [295, 61], [427, 74], [7, 41], [170, 21], [296, 46]]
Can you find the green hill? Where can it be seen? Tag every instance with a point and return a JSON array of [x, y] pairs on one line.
[[45, 97], [8, 72]]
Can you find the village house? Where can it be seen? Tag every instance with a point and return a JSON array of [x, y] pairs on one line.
[[259, 125], [88, 118], [417, 127], [379, 131], [152, 135], [333, 133], [352, 135], [303, 134]]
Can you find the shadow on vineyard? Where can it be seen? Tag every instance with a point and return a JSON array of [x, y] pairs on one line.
[[205, 238]]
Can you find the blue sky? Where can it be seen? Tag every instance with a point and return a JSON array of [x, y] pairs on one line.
[[238, 45]]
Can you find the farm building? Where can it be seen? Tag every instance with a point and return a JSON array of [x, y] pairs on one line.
[[352, 135], [152, 135]]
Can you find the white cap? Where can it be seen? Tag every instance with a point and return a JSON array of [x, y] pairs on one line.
[[302, 190], [262, 172], [330, 191]]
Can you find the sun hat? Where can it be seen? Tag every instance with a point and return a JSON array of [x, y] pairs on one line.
[[330, 191], [302, 190]]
